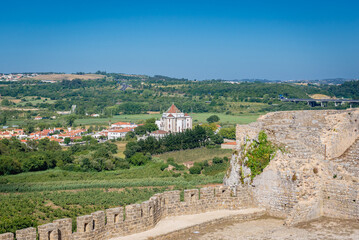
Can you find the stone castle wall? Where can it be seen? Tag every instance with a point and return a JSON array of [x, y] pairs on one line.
[[136, 218], [298, 183], [341, 199]]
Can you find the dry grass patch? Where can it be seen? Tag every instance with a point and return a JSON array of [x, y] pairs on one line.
[[195, 155]]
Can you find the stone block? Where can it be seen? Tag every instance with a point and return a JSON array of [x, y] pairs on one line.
[[7, 236], [26, 234]]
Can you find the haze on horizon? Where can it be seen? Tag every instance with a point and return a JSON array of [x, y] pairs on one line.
[[191, 39]]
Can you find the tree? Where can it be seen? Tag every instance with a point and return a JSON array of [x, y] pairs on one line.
[[212, 119], [67, 140], [229, 133], [5, 102], [3, 120], [130, 135], [217, 139], [70, 120], [138, 159], [141, 130]]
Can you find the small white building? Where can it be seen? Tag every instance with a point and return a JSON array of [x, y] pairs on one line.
[[124, 125], [159, 134], [118, 133]]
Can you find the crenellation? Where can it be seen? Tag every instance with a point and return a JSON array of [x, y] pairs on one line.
[[84, 224], [26, 234], [7, 236], [48, 231], [191, 195], [64, 228]]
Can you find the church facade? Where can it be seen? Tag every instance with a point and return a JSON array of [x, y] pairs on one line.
[[174, 121]]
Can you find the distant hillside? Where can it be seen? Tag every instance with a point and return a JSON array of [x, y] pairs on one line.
[[59, 77]]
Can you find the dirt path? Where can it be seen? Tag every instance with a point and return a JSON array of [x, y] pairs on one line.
[[171, 224], [269, 228]]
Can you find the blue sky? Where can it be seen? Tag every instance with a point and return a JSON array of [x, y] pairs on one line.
[[190, 39]]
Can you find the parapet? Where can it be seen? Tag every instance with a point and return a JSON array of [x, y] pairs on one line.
[[121, 221]]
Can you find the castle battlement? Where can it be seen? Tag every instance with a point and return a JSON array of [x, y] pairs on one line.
[[134, 218]]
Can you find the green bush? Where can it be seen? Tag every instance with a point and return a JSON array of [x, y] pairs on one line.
[[217, 160], [164, 166], [195, 169], [138, 159], [259, 154]]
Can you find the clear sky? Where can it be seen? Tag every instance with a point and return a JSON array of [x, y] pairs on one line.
[[192, 39]]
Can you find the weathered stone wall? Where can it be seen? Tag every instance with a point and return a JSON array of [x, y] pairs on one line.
[[136, 218], [341, 199], [326, 133], [318, 145]]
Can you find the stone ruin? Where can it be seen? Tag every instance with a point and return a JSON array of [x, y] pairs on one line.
[[316, 175]]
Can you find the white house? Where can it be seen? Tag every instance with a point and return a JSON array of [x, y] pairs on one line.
[[158, 134], [118, 133]]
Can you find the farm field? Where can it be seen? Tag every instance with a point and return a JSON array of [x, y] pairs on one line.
[[195, 155], [197, 118], [59, 77]]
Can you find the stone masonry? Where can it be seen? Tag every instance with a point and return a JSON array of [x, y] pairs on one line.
[[317, 172]]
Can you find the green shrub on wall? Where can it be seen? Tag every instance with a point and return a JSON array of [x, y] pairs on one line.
[[259, 154]]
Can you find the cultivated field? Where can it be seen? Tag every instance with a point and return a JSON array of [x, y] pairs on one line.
[[34, 198], [59, 77]]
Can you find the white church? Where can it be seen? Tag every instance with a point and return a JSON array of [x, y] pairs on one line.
[[174, 121]]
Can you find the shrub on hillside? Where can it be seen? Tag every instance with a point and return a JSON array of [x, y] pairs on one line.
[[195, 169]]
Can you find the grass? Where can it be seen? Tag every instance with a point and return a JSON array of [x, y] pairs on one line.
[[197, 118], [195, 155], [121, 147], [246, 108]]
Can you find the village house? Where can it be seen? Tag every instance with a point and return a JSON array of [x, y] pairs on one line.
[[118, 133], [158, 134]]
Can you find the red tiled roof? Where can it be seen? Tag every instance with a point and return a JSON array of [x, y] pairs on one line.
[[121, 130], [173, 109], [123, 123], [170, 115], [159, 132], [230, 143]]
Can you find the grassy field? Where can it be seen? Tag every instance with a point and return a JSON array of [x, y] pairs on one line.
[[121, 146], [195, 155], [245, 108], [197, 118]]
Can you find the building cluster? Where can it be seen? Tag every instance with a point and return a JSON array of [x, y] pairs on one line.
[[172, 121], [53, 134], [15, 77]]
